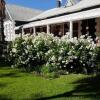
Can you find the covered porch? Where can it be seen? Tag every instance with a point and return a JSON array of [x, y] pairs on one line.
[[76, 24], [58, 29]]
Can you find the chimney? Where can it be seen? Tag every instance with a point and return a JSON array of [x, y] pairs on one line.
[[59, 3]]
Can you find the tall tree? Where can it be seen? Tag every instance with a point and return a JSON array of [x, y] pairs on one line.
[[2, 16]]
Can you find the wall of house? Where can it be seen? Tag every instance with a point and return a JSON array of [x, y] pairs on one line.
[[98, 27], [57, 29], [9, 30], [0, 32], [79, 28], [98, 31]]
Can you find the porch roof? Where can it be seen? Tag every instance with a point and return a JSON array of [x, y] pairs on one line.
[[94, 13], [84, 4]]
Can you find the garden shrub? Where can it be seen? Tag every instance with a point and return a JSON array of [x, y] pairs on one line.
[[45, 53], [3, 52], [97, 57], [29, 51]]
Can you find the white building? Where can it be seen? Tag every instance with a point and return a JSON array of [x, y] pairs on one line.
[[17, 15], [77, 19]]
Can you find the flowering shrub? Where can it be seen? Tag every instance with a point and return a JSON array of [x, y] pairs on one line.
[[29, 51], [72, 55], [97, 57]]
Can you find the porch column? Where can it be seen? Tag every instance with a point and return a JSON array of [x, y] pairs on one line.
[[63, 28], [71, 29], [34, 30], [22, 32], [48, 29]]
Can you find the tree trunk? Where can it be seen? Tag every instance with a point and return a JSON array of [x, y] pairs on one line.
[[2, 30]]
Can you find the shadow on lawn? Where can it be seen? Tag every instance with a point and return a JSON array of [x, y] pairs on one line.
[[86, 88], [11, 74], [4, 97], [2, 85]]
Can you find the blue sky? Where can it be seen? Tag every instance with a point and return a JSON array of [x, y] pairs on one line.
[[38, 4]]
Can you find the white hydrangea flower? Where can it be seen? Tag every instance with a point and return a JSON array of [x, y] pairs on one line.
[[67, 62], [61, 51], [14, 50], [60, 58], [81, 48], [15, 45], [71, 67], [82, 36], [67, 72], [64, 65], [53, 58], [63, 61], [69, 53]]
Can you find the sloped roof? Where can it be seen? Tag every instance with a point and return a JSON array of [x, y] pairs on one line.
[[19, 13], [88, 14], [56, 11]]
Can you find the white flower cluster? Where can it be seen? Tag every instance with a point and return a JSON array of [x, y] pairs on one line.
[[58, 52]]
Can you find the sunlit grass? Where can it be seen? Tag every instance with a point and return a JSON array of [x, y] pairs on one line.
[[17, 85]]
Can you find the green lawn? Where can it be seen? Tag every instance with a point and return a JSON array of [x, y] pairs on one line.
[[16, 85]]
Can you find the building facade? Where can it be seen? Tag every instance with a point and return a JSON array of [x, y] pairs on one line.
[[16, 15], [78, 19]]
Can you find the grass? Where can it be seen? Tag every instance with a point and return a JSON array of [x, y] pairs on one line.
[[17, 85]]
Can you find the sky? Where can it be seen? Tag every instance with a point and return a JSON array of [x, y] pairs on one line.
[[37, 4]]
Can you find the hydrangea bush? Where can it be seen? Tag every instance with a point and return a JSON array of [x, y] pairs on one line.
[[46, 53], [97, 57]]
